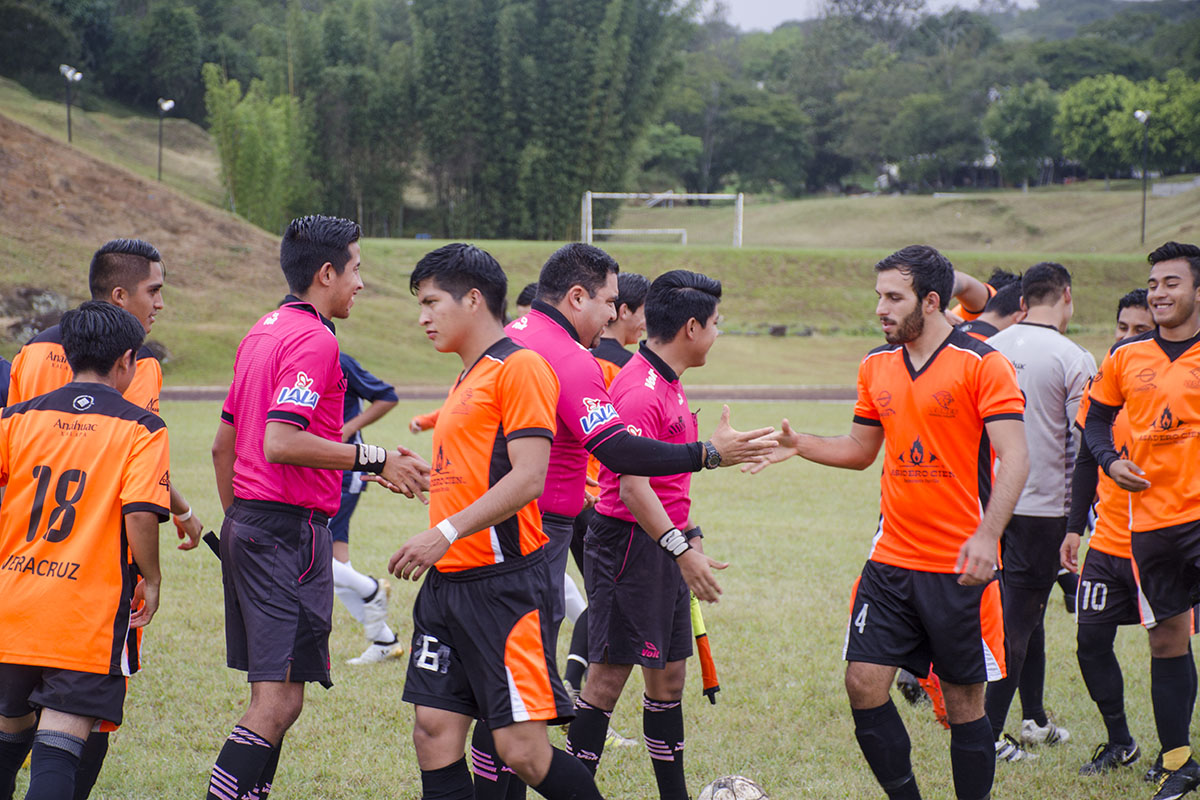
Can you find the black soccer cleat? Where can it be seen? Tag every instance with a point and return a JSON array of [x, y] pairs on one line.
[[1175, 784], [1156, 770], [1109, 756]]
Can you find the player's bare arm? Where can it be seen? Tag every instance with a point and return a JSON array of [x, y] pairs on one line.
[[403, 470], [638, 496], [224, 455], [523, 484], [187, 525], [977, 557], [971, 292], [141, 528], [854, 450], [737, 447], [370, 414]]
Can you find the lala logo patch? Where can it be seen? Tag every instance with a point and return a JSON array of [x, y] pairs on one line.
[[598, 413], [300, 394]]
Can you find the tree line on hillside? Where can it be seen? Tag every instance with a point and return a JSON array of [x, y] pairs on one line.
[[488, 118]]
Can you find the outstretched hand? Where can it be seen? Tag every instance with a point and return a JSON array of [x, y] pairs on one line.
[[789, 445], [737, 447]]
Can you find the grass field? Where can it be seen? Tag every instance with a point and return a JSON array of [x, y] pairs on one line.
[[796, 536]]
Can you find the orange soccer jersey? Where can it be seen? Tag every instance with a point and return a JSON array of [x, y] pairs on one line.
[[75, 461], [1161, 398], [509, 393], [41, 367], [1112, 502], [937, 468]]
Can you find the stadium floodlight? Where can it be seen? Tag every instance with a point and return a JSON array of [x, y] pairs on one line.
[[163, 107], [587, 232], [1143, 117], [70, 75]]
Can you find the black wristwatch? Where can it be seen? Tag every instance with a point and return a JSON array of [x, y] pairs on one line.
[[712, 457]]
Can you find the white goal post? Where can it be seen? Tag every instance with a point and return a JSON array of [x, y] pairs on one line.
[[587, 232]]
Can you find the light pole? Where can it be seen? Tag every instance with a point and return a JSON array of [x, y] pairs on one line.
[[1144, 118], [163, 107], [70, 75]]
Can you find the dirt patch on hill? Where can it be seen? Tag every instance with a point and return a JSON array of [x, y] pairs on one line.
[[58, 204]]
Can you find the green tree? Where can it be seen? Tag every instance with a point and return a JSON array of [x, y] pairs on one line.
[[1084, 127], [1020, 123]]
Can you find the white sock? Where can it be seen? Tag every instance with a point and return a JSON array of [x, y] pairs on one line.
[[352, 587], [573, 600]]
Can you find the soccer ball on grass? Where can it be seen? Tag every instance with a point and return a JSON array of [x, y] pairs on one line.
[[732, 787]]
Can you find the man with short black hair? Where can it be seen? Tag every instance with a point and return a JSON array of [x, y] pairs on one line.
[[482, 631], [1108, 594], [643, 548], [78, 550], [1053, 372], [1154, 378], [938, 401], [279, 457], [1002, 311]]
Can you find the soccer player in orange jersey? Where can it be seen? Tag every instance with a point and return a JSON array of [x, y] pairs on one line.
[[937, 401], [1108, 595], [483, 634], [1155, 378], [87, 487]]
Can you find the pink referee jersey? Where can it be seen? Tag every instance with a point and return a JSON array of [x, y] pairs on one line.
[[651, 401], [585, 414], [287, 370]]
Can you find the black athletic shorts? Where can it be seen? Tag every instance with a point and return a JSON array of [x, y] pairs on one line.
[[1029, 551], [1166, 565], [1108, 593], [904, 618], [482, 645], [25, 689], [276, 562], [639, 607]]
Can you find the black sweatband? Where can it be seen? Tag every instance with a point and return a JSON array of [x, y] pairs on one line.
[[674, 542], [369, 458], [693, 533], [626, 454]]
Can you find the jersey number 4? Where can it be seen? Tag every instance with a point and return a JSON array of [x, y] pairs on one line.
[[860, 621], [67, 493]]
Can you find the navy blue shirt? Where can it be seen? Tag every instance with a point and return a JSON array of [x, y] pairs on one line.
[[5, 374], [360, 385]]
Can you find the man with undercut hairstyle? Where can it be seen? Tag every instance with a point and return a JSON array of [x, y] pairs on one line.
[[1155, 378], [643, 548], [1108, 595], [279, 457], [938, 401], [1002, 311], [1052, 372], [482, 631], [86, 483]]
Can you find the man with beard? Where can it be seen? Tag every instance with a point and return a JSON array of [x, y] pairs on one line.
[[938, 401], [1155, 377]]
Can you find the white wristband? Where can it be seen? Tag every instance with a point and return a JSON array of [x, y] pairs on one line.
[[448, 530], [184, 517]]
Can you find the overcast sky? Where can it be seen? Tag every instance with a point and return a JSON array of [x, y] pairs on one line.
[[766, 14]]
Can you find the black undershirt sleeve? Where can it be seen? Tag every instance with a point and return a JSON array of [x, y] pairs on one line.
[[1097, 433], [626, 454], [1083, 489]]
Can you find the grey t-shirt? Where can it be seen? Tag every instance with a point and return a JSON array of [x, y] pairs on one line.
[[1052, 371]]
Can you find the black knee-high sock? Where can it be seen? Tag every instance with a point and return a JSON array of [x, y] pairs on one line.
[[662, 727], [263, 788], [240, 765], [972, 759], [52, 770], [585, 738], [1171, 681], [494, 780], [1102, 675], [577, 658], [1033, 677], [567, 779], [448, 783], [1192, 673], [94, 751], [884, 742], [1023, 610], [13, 749]]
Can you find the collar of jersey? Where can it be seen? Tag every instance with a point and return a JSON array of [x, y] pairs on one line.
[[556, 315], [659, 365], [291, 301]]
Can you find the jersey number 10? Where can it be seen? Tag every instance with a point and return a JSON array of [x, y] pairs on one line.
[[62, 516]]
